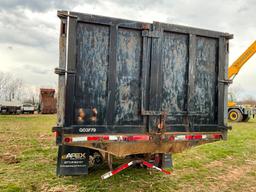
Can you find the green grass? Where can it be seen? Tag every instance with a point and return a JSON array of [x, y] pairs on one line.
[[28, 162]]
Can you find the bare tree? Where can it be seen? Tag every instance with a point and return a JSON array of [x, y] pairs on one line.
[[249, 100], [3, 84], [31, 94], [10, 87]]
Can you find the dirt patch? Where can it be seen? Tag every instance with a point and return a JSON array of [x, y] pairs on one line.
[[9, 158], [45, 161], [47, 188], [45, 137], [233, 175], [227, 179], [214, 164]]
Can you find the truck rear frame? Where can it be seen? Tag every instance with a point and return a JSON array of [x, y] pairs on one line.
[[128, 87]]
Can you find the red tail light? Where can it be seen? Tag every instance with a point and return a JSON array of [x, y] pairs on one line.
[[171, 138], [68, 139]]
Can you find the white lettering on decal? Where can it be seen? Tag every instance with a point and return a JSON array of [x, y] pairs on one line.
[[86, 130]]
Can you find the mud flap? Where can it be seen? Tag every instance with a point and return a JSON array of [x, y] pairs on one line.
[[167, 160], [72, 161]]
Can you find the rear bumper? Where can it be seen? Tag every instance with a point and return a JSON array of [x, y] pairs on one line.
[[123, 145]]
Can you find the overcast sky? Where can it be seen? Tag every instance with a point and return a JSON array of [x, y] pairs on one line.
[[29, 31]]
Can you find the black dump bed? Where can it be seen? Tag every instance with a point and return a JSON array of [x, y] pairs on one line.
[[123, 75]]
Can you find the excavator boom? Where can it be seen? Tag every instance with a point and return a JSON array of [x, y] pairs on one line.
[[237, 65]]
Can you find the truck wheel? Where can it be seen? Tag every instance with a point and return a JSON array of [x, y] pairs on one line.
[[95, 159], [246, 118], [235, 115], [155, 159]]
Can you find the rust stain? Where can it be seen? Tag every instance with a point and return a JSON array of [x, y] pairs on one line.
[[81, 116], [94, 115]]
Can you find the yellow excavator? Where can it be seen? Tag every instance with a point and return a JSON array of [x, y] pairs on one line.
[[236, 112]]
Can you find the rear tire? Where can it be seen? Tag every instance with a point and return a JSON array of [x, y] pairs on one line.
[[235, 115], [95, 159]]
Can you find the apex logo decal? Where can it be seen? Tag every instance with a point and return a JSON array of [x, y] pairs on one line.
[[74, 156]]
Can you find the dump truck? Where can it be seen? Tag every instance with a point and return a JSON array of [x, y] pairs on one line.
[[138, 91], [10, 107], [47, 101]]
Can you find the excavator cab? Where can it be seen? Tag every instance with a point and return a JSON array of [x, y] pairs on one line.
[[237, 112], [231, 100]]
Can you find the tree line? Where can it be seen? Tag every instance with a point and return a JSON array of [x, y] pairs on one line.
[[13, 88]]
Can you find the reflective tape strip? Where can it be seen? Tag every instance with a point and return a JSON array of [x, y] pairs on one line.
[[204, 136], [157, 168], [183, 137], [79, 139], [130, 163], [138, 138], [189, 137], [106, 175], [113, 138], [149, 165], [197, 137], [180, 137], [93, 138], [126, 165], [122, 167], [216, 136]]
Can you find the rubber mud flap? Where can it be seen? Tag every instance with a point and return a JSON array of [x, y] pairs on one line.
[[72, 161], [167, 160]]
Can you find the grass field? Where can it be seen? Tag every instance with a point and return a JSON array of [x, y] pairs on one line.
[[28, 160]]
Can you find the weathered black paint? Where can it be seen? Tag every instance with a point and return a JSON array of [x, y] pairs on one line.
[[92, 68], [132, 72]]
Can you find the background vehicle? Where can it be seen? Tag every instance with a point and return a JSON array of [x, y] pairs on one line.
[[236, 112], [138, 90], [28, 108], [10, 107], [47, 101]]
